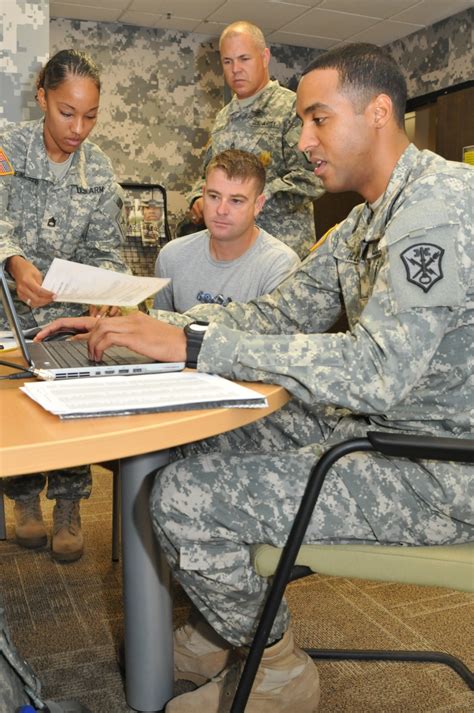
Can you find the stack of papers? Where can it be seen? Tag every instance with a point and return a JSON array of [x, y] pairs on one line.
[[145, 393]]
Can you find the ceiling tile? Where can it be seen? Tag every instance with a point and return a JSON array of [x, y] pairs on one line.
[[181, 8], [311, 23], [428, 12], [291, 38], [385, 32], [328, 23], [95, 4], [182, 24], [210, 29], [371, 8], [142, 19], [302, 3], [84, 12], [262, 13]]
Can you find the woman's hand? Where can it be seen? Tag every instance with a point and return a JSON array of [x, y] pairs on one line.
[[28, 281]]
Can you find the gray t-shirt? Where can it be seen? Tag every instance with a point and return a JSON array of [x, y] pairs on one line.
[[197, 278]]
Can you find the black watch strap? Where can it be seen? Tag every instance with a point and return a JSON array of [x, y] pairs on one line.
[[194, 337]]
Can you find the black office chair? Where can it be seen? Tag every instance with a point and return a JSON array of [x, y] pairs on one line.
[[399, 445]]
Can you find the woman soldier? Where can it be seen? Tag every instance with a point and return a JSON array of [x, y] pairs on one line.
[[58, 198]]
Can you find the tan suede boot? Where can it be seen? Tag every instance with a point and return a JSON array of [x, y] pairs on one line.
[[199, 652], [287, 680], [30, 530], [67, 543]]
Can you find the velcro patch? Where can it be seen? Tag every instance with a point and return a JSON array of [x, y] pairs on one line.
[[6, 169]]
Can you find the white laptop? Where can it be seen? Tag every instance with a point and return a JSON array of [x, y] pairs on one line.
[[69, 359]]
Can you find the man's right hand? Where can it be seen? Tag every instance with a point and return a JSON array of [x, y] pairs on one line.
[[197, 215], [139, 332], [28, 281]]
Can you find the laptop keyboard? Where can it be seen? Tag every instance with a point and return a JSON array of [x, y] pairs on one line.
[[70, 354]]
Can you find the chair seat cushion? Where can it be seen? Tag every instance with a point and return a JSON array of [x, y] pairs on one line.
[[449, 566]]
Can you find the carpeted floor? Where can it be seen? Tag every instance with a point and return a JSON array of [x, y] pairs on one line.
[[67, 620]]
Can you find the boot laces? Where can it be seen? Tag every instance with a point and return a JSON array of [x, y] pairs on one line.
[[66, 514], [29, 510]]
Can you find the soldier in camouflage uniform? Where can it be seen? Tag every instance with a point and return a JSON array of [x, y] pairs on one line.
[[261, 119], [58, 198], [401, 265]]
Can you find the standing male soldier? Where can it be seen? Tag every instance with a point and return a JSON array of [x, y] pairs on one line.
[[401, 264], [261, 118]]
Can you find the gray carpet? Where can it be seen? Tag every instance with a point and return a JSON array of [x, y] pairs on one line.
[[67, 620]]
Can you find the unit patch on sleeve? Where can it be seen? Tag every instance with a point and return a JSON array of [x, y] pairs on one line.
[[6, 169], [423, 263]]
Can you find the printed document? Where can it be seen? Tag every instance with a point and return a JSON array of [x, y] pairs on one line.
[[74, 282], [143, 393]]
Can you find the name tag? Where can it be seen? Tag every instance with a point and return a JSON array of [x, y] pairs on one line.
[[92, 189]]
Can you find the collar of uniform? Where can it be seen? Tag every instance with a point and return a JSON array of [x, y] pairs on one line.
[[260, 101], [397, 180], [37, 164]]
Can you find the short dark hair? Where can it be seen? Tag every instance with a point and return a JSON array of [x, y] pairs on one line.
[[64, 64], [239, 164], [365, 70]]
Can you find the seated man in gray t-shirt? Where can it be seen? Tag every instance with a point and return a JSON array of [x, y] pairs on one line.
[[233, 260]]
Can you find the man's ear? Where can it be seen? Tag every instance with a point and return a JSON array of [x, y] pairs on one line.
[[41, 99], [266, 56], [259, 203], [381, 110]]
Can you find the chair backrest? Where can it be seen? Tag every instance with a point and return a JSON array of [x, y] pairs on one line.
[[147, 226]]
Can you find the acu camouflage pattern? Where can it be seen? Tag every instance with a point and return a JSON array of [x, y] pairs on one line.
[[270, 129], [406, 365], [162, 89], [78, 218], [24, 29]]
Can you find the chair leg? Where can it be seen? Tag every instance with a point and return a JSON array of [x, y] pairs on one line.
[[116, 513], [389, 655], [287, 560], [3, 529]]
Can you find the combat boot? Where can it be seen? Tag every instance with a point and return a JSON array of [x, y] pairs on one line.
[[29, 526], [199, 652], [286, 680], [67, 542]]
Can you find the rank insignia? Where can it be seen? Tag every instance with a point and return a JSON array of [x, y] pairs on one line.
[[6, 169], [423, 264]]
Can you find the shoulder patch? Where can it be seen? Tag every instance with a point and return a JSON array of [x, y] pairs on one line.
[[6, 169], [423, 264]]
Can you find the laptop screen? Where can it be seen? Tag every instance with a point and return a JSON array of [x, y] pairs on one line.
[[12, 316]]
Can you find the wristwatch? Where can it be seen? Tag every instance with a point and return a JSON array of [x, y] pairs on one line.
[[194, 335]]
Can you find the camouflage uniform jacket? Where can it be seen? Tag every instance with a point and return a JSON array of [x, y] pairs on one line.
[[270, 129], [404, 274], [78, 218]]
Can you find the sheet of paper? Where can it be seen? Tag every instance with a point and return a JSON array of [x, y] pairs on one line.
[[119, 395], [74, 282]]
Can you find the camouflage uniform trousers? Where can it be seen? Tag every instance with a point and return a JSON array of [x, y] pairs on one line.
[[244, 487], [70, 484]]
